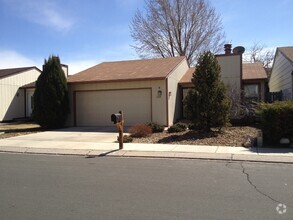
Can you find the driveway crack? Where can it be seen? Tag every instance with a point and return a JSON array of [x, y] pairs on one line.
[[255, 187]]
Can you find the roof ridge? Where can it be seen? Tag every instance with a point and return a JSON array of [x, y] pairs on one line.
[[18, 68], [13, 71], [156, 68], [141, 60], [285, 47]]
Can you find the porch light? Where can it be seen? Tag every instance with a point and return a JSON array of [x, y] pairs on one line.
[[159, 95]]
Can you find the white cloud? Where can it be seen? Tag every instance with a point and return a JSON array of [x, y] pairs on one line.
[[12, 59], [45, 12], [80, 65]]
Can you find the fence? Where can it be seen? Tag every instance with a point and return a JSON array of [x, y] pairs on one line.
[[274, 96]]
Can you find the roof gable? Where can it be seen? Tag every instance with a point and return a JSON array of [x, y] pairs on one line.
[[132, 70], [187, 77], [287, 52], [253, 71], [13, 71]]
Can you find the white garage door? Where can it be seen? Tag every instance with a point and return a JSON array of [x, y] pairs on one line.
[[94, 108]]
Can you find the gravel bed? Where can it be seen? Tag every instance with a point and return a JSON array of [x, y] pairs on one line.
[[8, 130], [230, 136]]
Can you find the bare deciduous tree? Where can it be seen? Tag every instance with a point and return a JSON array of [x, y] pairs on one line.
[[177, 28], [258, 53]]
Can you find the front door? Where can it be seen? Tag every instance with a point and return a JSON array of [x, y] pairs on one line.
[[29, 103]]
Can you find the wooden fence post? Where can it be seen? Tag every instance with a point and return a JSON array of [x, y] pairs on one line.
[[120, 130]]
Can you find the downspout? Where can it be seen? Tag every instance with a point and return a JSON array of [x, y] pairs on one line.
[[167, 102]]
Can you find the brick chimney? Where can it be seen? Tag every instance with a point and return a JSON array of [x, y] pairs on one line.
[[228, 48]]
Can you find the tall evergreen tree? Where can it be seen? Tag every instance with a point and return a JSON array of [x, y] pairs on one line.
[[207, 105], [51, 103]]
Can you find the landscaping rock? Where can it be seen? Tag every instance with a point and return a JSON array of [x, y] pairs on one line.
[[284, 141], [248, 142]]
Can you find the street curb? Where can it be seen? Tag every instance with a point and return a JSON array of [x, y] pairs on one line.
[[87, 153]]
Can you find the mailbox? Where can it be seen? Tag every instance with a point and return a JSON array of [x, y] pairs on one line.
[[115, 118], [119, 121]]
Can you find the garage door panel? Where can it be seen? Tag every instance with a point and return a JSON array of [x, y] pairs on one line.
[[94, 108]]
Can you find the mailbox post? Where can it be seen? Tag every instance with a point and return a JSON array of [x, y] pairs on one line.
[[119, 121]]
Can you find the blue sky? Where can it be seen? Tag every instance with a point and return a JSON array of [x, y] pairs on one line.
[[86, 32]]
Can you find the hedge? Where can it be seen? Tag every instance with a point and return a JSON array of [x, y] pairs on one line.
[[276, 121], [178, 127]]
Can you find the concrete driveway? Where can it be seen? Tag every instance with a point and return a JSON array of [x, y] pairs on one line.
[[74, 134]]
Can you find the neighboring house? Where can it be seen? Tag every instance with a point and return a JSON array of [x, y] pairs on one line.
[[146, 90], [13, 99], [254, 80], [282, 73]]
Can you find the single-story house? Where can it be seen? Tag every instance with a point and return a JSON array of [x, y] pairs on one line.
[[254, 79], [282, 73], [17, 86], [15, 102], [146, 90]]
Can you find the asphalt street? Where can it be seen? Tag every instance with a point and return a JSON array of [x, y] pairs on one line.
[[69, 187]]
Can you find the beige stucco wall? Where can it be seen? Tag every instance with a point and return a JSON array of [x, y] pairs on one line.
[[231, 74], [158, 103], [231, 70], [174, 93], [11, 97], [65, 69]]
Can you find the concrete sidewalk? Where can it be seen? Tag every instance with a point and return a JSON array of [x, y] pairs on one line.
[[91, 144]]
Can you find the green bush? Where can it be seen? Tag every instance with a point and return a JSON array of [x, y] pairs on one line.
[[140, 130], [51, 102], [156, 128], [276, 121], [207, 105], [178, 127]]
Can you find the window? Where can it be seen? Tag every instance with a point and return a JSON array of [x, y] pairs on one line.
[[251, 91]]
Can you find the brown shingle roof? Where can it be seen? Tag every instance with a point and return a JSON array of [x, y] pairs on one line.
[[131, 70], [287, 51], [253, 71], [8, 72], [186, 79]]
